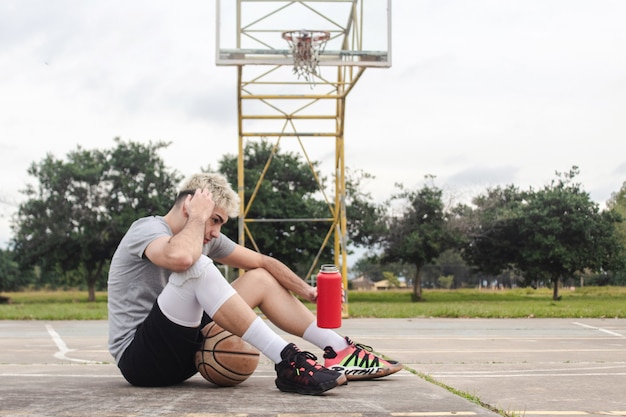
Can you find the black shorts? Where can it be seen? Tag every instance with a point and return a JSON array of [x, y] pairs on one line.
[[162, 352]]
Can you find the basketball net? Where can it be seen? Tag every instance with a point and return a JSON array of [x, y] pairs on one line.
[[305, 48]]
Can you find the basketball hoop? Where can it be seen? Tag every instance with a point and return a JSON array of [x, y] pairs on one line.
[[305, 47]]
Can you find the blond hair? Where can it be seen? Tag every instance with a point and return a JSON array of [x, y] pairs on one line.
[[224, 196]]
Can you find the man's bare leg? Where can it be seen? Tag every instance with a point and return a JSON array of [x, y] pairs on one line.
[[259, 289]]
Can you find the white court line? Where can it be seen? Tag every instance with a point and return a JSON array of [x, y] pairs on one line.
[[433, 413], [63, 349], [257, 375], [572, 413], [534, 371], [522, 413], [600, 329], [16, 375], [461, 375]]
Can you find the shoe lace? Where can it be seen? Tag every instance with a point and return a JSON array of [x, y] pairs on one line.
[[368, 359], [305, 361], [360, 346]]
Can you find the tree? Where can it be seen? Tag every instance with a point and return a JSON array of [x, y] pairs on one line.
[[11, 278], [286, 192], [617, 204], [392, 279], [549, 234], [289, 191], [419, 233], [449, 263], [372, 267], [445, 281], [563, 232], [139, 184], [365, 220], [75, 217], [490, 229]]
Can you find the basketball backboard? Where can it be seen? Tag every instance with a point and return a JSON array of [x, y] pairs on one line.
[[250, 32]]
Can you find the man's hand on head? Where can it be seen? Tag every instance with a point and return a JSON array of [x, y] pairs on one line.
[[199, 206]]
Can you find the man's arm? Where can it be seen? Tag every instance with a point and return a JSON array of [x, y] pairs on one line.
[[244, 258], [177, 253]]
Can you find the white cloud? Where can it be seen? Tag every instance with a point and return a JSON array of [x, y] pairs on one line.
[[480, 93]]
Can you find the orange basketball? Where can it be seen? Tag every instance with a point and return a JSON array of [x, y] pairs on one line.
[[225, 359]]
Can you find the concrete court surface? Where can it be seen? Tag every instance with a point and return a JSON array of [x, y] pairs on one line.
[[531, 367]]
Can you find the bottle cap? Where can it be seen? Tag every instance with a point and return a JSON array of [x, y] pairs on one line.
[[329, 268]]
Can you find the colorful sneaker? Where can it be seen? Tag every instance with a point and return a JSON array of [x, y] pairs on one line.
[[358, 362], [299, 372]]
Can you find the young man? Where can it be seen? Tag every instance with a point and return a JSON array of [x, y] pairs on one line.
[[163, 288]]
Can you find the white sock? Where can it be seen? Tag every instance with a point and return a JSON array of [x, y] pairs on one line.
[[263, 338], [324, 337]]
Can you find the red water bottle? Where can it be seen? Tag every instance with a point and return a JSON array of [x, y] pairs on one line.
[[329, 295]]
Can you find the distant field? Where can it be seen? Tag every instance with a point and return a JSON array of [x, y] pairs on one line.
[[589, 302], [53, 305]]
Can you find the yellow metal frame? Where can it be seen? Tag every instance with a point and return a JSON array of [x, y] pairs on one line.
[[265, 97]]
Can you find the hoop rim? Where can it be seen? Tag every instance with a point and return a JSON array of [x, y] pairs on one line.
[[315, 35]]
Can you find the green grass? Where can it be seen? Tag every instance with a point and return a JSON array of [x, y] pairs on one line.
[[53, 305], [588, 302], [591, 302], [585, 302]]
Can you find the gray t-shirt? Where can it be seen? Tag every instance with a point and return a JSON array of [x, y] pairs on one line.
[[135, 282]]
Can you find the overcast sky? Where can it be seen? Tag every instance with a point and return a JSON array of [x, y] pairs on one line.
[[481, 92]]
